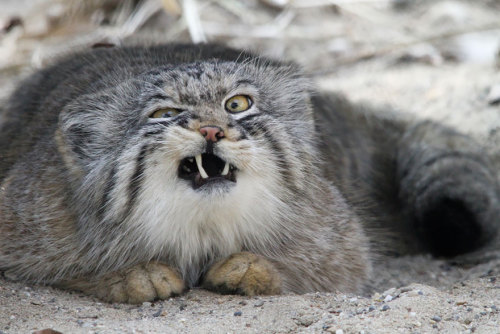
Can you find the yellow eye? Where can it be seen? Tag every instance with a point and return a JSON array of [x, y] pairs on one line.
[[238, 103], [165, 113]]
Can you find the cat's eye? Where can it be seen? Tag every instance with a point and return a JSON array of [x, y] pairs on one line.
[[165, 113], [238, 103]]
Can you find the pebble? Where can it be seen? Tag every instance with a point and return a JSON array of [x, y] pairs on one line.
[[436, 318], [259, 303], [387, 298], [304, 321], [238, 313], [390, 291], [146, 304], [385, 308], [405, 289], [158, 313]]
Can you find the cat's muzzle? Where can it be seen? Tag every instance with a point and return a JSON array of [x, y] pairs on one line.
[[205, 169]]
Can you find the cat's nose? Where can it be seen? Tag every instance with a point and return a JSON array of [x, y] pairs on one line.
[[212, 133]]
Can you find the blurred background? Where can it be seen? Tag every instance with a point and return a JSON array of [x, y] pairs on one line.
[[422, 58]]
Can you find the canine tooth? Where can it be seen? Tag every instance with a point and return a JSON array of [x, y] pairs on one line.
[[226, 169], [190, 160], [200, 167]]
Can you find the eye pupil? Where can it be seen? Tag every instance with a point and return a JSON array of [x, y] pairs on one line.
[[234, 105]]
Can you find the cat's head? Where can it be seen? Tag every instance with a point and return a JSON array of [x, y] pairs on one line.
[[199, 142]]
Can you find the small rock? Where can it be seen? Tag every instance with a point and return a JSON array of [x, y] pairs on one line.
[[242, 303], [259, 303], [385, 308], [146, 304], [238, 313], [158, 313], [390, 291], [387, 298], [304, 321], [436, 318], [371, 308]]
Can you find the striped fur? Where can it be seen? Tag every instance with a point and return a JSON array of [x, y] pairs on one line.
[[90, 182]]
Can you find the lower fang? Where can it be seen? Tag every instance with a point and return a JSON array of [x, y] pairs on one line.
[[226, 169]]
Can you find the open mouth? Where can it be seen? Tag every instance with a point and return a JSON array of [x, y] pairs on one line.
[[206, 168]]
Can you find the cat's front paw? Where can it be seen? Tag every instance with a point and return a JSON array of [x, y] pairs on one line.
[[135, 285], [243, 273]]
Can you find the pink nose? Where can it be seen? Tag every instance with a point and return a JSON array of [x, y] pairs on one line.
[[212, 133]]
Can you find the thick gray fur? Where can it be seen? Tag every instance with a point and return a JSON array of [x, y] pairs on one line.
[[89, 182]]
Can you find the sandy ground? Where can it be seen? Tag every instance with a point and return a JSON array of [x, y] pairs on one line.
[[433, 60]]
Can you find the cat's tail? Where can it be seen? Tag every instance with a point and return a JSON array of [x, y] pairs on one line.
[[449, 189]]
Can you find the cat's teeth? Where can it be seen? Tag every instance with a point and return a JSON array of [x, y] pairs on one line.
[[225, 170], [200, 167]]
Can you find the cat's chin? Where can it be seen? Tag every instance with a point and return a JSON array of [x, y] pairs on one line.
[[213, 184]]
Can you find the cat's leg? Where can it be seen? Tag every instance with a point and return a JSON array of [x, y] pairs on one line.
[[135, 285], [448, 189], [328, 255], [243, 273]]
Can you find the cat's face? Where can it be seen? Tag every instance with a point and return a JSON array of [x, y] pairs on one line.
[[200, 144]]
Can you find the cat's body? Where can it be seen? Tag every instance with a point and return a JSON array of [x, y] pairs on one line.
[[95, 183]]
